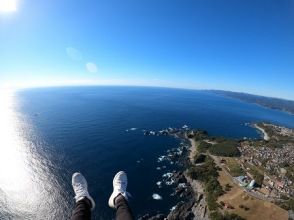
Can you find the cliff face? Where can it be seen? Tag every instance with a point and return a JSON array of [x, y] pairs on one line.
[[194, 208], [199, 209]]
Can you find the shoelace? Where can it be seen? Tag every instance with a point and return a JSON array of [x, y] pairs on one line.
[[79, 190]]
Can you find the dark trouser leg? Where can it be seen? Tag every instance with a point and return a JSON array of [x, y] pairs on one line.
[[123, 211], [82, 210]]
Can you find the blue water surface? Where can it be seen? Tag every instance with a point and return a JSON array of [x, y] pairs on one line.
[[84, 129]]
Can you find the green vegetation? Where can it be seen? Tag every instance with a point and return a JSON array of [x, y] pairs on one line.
[[227, 216], [290, 172], [228, 187], [258, 178], [234, 168], [198, 135], [244, 207], [236, 171], [223, 147], [208, 174], [288, 204], [226, 148], [203, 147], [199, 158], [218, 139], [257, 175]]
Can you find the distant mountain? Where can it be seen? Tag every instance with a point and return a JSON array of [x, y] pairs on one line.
[[269, 102]]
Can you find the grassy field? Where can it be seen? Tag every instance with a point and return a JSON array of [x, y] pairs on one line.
[[257, 209], [257, 173], [234, 168]]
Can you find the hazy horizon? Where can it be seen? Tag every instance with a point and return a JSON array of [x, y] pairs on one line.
[[16, 88]]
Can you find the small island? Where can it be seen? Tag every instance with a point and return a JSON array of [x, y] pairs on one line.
[[233, 179]]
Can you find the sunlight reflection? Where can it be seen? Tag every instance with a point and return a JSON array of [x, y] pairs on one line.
[[28, 187], [12, 165], [15, 181]]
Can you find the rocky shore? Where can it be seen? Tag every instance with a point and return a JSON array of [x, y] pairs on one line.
[[192, 205], [199, 209], [204, 164]]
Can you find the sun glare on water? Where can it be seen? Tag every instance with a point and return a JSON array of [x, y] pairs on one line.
[[14, 178], [26, 186], [11, 163], [19, 192], [8, 5]]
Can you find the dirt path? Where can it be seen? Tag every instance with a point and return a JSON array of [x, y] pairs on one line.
[[193, 149]]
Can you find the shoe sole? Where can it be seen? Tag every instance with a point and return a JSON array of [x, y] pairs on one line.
[[92, 202]]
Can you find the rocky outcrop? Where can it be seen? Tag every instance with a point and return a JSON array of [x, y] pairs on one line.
[[183, 210], [179, 177], [200, 207], [155, 217], [193, 206]]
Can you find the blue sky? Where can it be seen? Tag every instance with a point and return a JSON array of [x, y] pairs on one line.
[[238, 45]]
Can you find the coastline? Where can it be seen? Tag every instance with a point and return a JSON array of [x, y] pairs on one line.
[[200, 208], [199, 185], [265, 135], [193, 205]]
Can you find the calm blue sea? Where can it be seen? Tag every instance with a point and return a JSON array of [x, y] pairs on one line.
[[69, 129]]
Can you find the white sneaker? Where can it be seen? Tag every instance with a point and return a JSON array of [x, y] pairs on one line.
[[120, 183], [80, 187]]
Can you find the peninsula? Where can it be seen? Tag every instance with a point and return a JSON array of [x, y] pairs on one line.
[[233, 179]]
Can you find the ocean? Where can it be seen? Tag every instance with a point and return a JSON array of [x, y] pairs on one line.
[[47, 134]]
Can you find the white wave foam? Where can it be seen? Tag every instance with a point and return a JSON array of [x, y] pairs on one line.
[[156, 196]]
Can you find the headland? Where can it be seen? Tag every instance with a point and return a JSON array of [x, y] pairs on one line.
[[232, 178]]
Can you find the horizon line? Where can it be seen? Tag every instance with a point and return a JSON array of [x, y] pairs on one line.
[[13, 88]]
